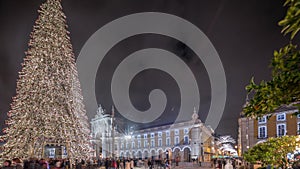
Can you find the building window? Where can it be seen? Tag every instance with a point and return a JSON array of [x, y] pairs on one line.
[[298, 128], [281, 130], [280, 117], [176, 132], [298, 115], [145, 135], [145, 143], [262, 131], [168, 141], [262, 120], [176, 140], [186, 140], [132, 145], [139, 144], [138, 136], [159, 142], [168, 133], [122, 145], [152, 135], [126, 145], [152, 143], [186, 131], [159, 134]]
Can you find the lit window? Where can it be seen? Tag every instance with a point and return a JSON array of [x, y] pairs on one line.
[[176, 132], [152, 135], [152, 143], [186, 139], [167, 141], [145, 135], [281, 130], [262, 120], [280, 117], [176, 140], [262, 131], [186, 131], [159, 134], [159, 142], [167, 133]]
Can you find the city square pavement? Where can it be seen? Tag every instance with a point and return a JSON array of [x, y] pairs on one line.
[[173, 167], [182, 166]]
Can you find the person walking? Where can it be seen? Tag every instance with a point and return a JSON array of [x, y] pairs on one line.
[[131, 164], [127, 164], [149, 164]]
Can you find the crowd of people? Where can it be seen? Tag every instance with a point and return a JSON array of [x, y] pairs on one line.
[[34, 163], [129, 163], [120, 163]]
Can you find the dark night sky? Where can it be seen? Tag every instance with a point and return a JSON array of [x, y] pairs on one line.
[[244, 33]]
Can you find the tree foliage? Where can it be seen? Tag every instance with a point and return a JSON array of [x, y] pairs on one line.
[[284, 87], [272, 152]]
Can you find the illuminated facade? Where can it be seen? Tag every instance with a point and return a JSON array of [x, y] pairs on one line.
[[184, 141], [101, 132], [280, 123]]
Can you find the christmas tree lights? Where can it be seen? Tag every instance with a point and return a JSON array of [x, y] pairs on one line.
[[48, 106]]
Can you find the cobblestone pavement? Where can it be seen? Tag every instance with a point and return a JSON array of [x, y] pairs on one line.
[[190, 166], [179, 167]]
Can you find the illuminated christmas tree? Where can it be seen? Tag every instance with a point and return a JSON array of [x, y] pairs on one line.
[[48, 106]]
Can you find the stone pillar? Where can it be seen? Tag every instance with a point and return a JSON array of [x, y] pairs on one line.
[[196, 141]]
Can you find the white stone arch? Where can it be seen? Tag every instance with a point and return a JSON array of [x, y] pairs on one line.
[[139, 154], [153, 153], [146, 153], [145, 150], [133, 153], [127, 154], [141, 150], [122, 154], [177, 153], [159, 149], [186, 147], [154, 150], [177, 147], [160, 153], [186, 150], [168, 148], [261, 141]]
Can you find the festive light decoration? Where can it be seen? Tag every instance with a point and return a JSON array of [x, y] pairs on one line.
[[225, 139], [48, 106]]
